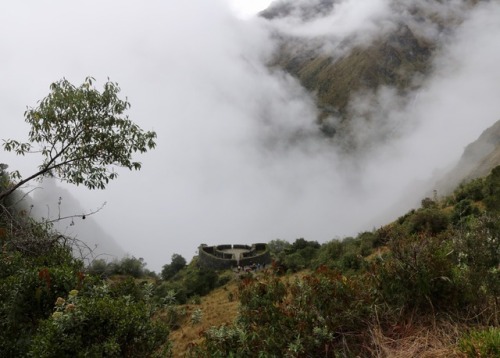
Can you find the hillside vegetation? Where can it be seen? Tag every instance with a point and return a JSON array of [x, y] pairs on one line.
[[397, 56], [427, 284]]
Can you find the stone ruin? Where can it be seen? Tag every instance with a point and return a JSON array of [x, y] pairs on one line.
[[222, 257]]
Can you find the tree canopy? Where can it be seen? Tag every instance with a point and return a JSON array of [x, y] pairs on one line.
[[82, 134], [177, 264]]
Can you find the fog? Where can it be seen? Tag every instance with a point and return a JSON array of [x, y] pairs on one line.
[[239, 157]]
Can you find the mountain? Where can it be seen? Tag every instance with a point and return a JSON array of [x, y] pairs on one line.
[[51, 201], [395, 51], [478, 159]]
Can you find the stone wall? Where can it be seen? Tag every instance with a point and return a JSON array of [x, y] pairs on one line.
[[263, 258], [216, 258], [209, 257]]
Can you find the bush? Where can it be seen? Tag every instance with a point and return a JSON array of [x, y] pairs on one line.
[[430, 220], [314, 316], [130, 266], [492, 190], [477, 258], [37, 269], [36, 266], [473, 190], [177, 263], [418, 274], [99, 325], [300, 254], [99, 268], [463, 210], [199, 281], [28, 297]]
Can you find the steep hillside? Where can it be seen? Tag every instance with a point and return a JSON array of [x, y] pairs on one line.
[[395, 52], [219, 307], [391, 61], [478, 159], [425, 285]]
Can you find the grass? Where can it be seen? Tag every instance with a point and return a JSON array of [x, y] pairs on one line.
[[217, 309], [411, 336], [423, 337]]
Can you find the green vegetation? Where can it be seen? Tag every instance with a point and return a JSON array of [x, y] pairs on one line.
[[191, 281], [49, 305], [81, 133], [481, 343], [177, 263], [433, 267], [394, 61]]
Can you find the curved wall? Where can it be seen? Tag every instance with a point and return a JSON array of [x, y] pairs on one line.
[[216, 258]]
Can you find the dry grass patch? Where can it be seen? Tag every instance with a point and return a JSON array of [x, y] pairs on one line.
[[422, 339], [216, 309]]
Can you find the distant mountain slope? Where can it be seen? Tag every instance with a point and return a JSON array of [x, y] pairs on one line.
[[51, 201], [478, 159], [398, 54], [392, 61]]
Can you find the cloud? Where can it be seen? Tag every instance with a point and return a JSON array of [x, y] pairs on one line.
[[239, 157]]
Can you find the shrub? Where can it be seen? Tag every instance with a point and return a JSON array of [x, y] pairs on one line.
[[36, 266], [429, 220], [99, 267], [99, 325], [477, 257], [314, 316], [428, 203], [169, 270], [473, 190], [492, 190], [419, 273], [28, 297], [200, 282], [463, 210], [128, 266]]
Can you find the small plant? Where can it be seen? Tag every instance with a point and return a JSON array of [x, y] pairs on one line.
[[196, 316], [195, 300], [482, 343]]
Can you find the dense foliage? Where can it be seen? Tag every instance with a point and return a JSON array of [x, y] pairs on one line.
[[50, 307]]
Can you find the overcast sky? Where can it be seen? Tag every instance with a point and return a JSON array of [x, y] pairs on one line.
[[225, 170]]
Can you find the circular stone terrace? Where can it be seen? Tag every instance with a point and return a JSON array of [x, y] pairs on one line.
[[229, 256]]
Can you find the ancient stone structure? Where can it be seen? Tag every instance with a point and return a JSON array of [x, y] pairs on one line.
[[229, 256]]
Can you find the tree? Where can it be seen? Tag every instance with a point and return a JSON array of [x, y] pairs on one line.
[[277, 246], [169, 270], [81, 133]]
